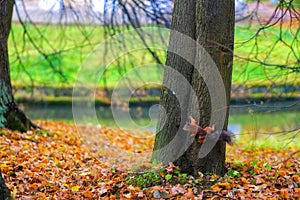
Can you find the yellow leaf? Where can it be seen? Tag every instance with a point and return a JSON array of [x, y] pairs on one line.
[[14, 193], [225, 185], [75, 188], [112, 197]]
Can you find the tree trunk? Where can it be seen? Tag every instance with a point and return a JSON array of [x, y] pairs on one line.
[[172, 120], [211, 24], [10, 115], [4, 192]]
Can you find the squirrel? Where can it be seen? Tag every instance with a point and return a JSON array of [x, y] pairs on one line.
[[197, 130]]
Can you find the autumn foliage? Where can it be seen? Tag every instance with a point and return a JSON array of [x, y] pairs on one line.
[[61, 164]]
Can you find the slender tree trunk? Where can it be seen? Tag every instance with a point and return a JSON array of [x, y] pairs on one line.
[[211, 24]]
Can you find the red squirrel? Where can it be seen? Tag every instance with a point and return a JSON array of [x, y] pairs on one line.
[[197, 130]]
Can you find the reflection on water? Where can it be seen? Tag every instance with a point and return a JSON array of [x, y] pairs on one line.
[[280, 115]]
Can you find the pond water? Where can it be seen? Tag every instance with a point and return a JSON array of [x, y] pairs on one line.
[[250, 118]]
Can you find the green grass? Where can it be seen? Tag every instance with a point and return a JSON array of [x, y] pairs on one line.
[[63, 49], [270, 46]]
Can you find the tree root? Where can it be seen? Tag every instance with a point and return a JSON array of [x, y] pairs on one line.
[[16, 119]]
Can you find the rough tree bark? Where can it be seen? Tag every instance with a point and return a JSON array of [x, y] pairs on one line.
[[4, 192], [211, 24], [10, 115]]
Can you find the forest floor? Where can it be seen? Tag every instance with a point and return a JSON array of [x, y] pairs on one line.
[[90, 162]]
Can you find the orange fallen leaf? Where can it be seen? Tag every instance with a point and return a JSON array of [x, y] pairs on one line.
[[284, 193], [216, 188]]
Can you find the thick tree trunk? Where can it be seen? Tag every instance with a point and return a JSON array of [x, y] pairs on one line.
[[216, 34], [4, 192], [211, 24], [171, 122], [10, 115]]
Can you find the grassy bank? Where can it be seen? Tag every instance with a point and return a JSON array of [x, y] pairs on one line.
[[52, 55]]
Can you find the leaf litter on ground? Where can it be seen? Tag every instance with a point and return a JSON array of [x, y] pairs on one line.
[[89, 162]]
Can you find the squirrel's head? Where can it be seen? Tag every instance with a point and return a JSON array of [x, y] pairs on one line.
[[191, 128]]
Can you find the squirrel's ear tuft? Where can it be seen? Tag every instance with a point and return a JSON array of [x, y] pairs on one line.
[[187, 127], [213, 127], [193, 121]]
